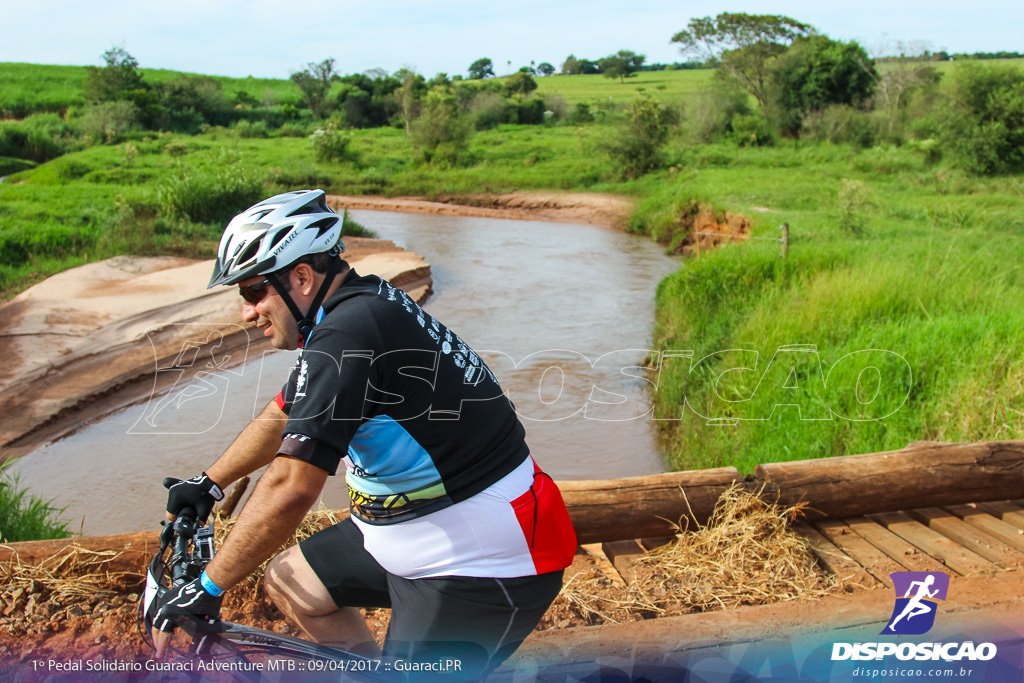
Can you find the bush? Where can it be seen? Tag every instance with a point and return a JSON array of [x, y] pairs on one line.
[[983, 128], [841, 124], [209, 193], [107, 122], [711, 113], [752, 130], [581, 114], [24, 516], [527, 111], [441, 133], [38, 138], [637, 148], [251, 129], [351, 228], [331, 144], [488, 110]]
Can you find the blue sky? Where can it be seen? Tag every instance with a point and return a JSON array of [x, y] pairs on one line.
[[273, 38]]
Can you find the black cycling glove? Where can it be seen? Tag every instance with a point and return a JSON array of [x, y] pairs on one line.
[[190, 599], [198, 493]]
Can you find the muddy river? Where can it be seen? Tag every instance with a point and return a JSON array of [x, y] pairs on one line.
[[562, 313]]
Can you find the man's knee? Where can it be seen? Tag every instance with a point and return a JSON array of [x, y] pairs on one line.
[[274, 577], [294, 586]]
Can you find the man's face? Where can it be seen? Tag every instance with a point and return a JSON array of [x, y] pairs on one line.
[[271, 314]]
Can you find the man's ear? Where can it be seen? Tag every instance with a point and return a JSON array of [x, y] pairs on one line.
[[304, 278]]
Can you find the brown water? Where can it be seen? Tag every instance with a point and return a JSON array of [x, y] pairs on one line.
[[562, 314]]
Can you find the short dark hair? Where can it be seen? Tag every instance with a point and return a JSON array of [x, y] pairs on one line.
[[320, 263]]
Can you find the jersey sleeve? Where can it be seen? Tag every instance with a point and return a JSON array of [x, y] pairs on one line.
[[324, 399]]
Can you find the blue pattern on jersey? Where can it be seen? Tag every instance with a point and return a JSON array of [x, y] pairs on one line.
[[387, 460]]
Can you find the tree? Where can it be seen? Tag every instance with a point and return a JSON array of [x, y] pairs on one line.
[[315, 82], [441, 133], [814, 73], [520, 83], [638, 146], [904, 75], [622, 65], [742, 44], [572, 65], [111, 82], [481, 68], [120, 80], [189, 101], [412, 88], [982, 127], [545, 69]]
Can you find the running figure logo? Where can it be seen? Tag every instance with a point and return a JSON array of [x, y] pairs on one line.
[[917, 601]]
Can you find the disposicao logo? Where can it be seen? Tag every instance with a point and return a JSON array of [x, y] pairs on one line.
[[917, 600]]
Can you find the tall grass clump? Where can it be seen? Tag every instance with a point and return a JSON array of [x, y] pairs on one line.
[[210, 191], [25, 516], [841, 348]]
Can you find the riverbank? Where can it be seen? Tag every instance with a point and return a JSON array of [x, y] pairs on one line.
[[610, 211], [92, 339]]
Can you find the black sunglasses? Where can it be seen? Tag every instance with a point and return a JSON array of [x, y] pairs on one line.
[[255, 292]]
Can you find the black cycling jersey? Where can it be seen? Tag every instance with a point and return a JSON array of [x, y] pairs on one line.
[[419, 415]]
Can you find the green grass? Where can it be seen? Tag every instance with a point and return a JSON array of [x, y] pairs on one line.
[[665, 86], [23, 515], [926, 295], [27, 88]]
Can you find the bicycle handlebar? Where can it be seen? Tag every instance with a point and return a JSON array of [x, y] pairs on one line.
[[184, 531]]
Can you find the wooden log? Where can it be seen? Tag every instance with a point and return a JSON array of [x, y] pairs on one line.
[[134, 550], [638, 507], [922, 475], [603, 510]]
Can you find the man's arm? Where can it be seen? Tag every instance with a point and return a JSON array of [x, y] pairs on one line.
[[276, 508], [282, 497], [254, 447]]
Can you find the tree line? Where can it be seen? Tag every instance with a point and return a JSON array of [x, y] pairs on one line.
[[776, 78]]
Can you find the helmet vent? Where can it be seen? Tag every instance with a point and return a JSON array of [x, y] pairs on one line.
[[323, 226], [277, 238], [249, 252]]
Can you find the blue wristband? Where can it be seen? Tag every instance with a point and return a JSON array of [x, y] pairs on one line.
[[209, 586]]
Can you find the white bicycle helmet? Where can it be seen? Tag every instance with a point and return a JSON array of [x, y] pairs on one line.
[[275, 233]]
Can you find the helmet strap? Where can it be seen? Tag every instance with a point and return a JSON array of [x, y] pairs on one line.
[[305, 322]]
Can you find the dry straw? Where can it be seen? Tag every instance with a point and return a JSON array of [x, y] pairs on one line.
[[745, 555]]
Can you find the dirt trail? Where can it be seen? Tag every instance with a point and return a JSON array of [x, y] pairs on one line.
[[585, 208]]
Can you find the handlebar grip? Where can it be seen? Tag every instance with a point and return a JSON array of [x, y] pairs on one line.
[[184, 531]]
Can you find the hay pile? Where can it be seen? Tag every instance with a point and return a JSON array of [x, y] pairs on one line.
[[745, 555]]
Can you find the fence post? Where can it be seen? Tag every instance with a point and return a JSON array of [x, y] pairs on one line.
[[785, 239]]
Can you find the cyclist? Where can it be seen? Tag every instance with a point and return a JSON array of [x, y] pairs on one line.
[[453, 525]]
